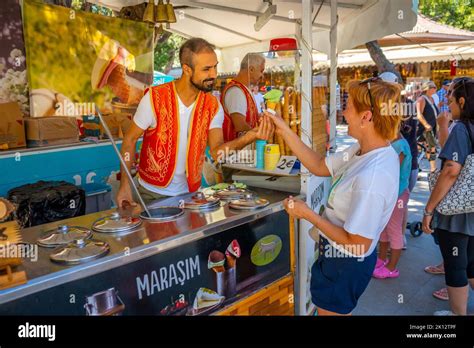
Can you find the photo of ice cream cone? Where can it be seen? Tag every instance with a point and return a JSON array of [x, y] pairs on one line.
[[111, 69], [231, 260], [234, 249], [216, 261]]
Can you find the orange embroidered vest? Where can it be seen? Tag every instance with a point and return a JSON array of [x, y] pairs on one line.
[[251, 116], [159, 152]]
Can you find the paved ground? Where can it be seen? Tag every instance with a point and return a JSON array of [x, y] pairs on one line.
[[411, 293]]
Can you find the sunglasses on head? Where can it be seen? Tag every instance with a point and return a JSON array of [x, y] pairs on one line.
[[368, 82], [456, 82]]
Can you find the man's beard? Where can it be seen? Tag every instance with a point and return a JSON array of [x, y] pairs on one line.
[[201, 86]]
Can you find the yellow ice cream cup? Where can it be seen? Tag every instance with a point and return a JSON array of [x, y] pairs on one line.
[[272, 156]]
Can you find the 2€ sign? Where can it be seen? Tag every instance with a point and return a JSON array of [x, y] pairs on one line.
[[285, 164]]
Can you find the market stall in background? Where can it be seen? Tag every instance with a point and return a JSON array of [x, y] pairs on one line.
[[230, 249]]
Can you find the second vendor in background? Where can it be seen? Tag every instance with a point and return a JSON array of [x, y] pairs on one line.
[[178, 120], [241, 112]]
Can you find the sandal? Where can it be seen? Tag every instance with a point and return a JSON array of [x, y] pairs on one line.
[[434, 270], [441, 294]]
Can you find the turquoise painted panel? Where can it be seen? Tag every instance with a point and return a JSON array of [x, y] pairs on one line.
[[79, 165]]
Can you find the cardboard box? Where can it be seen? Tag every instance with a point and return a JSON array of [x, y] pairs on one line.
[[51, 130], [12, 127], [118, 124]]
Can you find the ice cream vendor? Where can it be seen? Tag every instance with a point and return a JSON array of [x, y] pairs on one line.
[[178, 120], [240, 108]]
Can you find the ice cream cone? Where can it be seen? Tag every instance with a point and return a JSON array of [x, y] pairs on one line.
[[234, 249], [118, 84], [231, 261], [218, 269], [216, 261]]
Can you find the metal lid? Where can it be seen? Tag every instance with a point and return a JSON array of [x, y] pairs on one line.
[[200, 201], [80, 251], [162, 214], [114, 223], [63, 235], [230, 193], [249, 202]]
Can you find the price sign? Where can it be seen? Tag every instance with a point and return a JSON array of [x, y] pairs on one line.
[[285, 164]]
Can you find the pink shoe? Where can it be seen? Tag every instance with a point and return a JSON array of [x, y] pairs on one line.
[[380, 263], [383, 272]]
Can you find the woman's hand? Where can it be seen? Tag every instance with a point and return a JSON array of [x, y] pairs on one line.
[[443, 120], [426, 224], [296, 208]]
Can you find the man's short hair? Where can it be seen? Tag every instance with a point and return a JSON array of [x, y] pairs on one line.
[[251, 59], [191, 47]]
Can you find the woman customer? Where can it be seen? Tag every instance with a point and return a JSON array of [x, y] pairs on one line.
[[455, 233], [392, 235], [445, 126], [363, 193], [427, 111]]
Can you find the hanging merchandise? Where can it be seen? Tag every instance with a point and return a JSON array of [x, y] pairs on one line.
[[453, 66]]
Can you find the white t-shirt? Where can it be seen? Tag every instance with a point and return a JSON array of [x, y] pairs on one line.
[[364, 192], [235, 100], [259, 100], [144, 118]]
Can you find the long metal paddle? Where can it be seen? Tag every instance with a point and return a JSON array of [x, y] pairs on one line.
[[124, 165]]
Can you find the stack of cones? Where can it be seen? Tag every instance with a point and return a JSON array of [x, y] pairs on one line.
[[290, 111], [320, 104]]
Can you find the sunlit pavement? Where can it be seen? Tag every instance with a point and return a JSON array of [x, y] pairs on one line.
[[411, 293]]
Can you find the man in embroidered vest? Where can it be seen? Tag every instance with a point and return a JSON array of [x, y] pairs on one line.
[[241, 111], [178, 120]]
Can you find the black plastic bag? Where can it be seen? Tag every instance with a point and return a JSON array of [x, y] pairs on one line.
[[47, 201]]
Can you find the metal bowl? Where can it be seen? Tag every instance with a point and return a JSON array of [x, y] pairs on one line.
[[162, 214]]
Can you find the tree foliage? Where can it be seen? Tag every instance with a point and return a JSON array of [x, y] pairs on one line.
[[166, 53], [457, 13]]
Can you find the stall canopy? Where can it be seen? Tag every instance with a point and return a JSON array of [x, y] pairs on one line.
[[230, 24], [328, 26], [411, 54]]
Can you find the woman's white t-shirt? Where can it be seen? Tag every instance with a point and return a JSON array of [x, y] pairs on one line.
[[364, 192]]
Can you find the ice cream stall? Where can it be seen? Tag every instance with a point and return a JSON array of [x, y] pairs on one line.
[[229, 249]]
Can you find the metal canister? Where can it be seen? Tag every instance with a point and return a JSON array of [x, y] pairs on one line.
[[272, 156]]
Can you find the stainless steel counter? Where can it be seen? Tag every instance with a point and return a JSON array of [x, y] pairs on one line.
[[149, 239]]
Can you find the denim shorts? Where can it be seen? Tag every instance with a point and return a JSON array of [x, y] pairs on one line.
[[338, 281]]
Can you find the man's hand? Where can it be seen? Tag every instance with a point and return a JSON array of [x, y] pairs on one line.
[[124, 196], [264, 130], [427, 127], [278, 121]]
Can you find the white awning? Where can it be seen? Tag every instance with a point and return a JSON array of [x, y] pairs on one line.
[[411, 54], [230, 24]]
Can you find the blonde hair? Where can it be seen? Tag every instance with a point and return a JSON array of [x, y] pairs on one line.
[[383, 94]]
